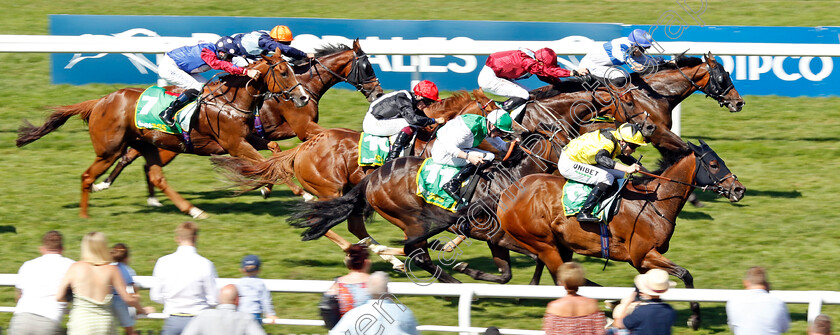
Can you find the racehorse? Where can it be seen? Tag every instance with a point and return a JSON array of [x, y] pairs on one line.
[[279, 118], [225, 118], [532, 214]]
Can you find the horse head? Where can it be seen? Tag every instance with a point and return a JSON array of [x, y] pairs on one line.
[[719, 86], [361, 74], [712, 173], [279, 78]]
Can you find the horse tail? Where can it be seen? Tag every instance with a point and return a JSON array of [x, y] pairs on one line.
[[321, 216], [28, 133], [249, 175]]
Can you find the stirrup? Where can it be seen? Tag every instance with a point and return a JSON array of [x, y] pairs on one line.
[[586, 217]]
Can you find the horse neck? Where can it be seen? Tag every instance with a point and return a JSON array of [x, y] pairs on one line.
[[671, 196], [673, 86], [241, 97], [556, 111], [321, 78]]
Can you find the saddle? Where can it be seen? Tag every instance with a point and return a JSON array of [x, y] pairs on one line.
[[575, 193]]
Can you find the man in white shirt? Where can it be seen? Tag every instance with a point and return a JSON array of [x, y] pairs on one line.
[[38, 311], [225, 319], [756, 311], [186, 282]]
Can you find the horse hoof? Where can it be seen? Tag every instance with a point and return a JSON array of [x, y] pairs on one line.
[[100, 187], [694, 322], [610, 304], [152, 201], [399, 268], [308, 197], [461, 266], [198, 214], [265, 192]]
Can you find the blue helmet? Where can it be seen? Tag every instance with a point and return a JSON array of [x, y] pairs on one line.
[[640, 37], [226, 46]]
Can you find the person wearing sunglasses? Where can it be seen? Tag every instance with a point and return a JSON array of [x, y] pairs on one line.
[[590, 159], [605, 60], [182, 67]]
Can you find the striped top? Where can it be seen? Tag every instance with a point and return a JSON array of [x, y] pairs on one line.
[[591, 324]]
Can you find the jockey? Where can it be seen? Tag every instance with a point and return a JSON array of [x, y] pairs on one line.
[[589, 159], [401, 112], [183, 65], [503, 68], [249, 46], [456, 142], [603, 60]]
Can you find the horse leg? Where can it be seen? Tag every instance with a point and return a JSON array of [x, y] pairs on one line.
[[99, 166], [418, 254], [153, 160], [501, 257], [356, 226], [130, 155], [166, 156], [655, 260]]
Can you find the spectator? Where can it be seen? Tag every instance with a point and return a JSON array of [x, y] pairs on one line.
[[37, 311], [225, 319], [125, 314], [573, 314], [651, 315], [820, 326], [254, 297], [93, 280], [379, 315], [186, 282], [492, 331], [756, 311], [351, 288]]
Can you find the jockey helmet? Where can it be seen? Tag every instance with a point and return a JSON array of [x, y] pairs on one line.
[[427, 89], [640, 37], [630, 133], [281, 34], [501, 120], [547, 56], [226, 46]]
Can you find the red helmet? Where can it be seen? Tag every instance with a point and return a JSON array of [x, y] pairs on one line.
[[427, 89], [546, 56]]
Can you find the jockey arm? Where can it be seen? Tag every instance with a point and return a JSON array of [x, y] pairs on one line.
[[267, 43], [209, 57], [497, 143], [542, 70]]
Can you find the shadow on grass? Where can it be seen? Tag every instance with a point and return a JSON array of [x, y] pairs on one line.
[[313, 262], [761, 138], [713, 317], [773, 194], [8, 229], [685, 215]]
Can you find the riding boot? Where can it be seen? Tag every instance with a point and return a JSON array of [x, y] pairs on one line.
[[585, 214], [454, 185], [397, 147], [512, 103], [168, 114]]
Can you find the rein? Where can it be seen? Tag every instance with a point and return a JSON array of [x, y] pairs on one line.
[[713, 95], [359, 86]]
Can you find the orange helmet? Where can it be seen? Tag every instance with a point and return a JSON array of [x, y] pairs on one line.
[[281, 34]]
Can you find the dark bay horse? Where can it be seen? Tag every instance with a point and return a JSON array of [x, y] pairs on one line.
[[225, 118], [533, 216], [279, 118]]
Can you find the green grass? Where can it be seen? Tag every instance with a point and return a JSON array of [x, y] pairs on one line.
[[785, 150]]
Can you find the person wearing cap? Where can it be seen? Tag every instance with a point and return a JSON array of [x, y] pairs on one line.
[[254, 297], [457, 141], [589, 159], [503, 69], [603, 60], [756, 311], [650, 315], [182, 67], [400, 113], [250, 46]]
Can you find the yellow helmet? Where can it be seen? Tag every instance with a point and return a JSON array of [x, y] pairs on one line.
[[281, 34], [629, 133]]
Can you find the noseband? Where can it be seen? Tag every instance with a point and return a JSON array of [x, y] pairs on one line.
[[286, 94], [712, 89], [355, 72]]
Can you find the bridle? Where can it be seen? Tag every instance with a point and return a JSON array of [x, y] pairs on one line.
[[713, 87], [285, 94], [356, 77]]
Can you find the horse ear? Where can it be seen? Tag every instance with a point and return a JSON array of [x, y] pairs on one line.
[[277, 52], [693, 147], [710, 58], [703, 143], [356, 45]]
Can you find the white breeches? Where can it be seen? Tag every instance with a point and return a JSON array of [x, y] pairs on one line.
[[585, 173], [441, 156], [167, 69], [382, 127], [608, 72], [488, 81]]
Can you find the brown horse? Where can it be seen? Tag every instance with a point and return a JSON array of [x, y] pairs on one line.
[[533, 216], [279, 118], [225, 118]]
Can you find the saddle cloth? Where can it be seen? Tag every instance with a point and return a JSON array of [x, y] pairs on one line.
[[575, 193], [153, 101], [373, 149], [430, 179]]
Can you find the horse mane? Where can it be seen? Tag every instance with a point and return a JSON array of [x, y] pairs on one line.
[[231, 81], [669, 158], [681, 61], [451, 105], [329, 49], [573, 84]]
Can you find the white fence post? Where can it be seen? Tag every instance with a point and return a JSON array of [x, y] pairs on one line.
[[676, 115], [465, 309]]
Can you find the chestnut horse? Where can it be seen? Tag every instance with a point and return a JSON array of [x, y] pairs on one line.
[[532, 214], [225, 117], [279, 118]]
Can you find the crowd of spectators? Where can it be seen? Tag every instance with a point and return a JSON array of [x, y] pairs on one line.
[[103, 295]]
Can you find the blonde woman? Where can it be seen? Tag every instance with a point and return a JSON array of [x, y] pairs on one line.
[[573, 314], [92, 280]]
